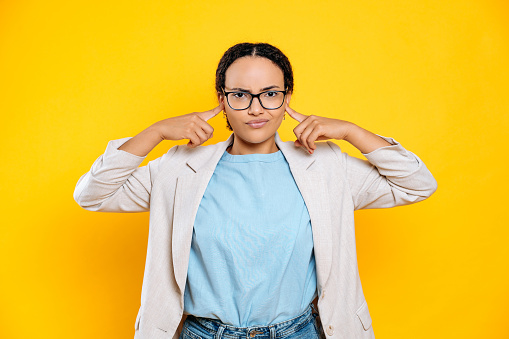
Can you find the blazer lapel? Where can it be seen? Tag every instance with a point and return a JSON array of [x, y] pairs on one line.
[[314, 192], [189, 192]]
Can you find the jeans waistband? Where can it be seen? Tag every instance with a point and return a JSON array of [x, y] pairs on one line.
[[279, 330]]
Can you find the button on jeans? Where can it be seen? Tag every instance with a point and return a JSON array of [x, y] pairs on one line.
[[304, 326]]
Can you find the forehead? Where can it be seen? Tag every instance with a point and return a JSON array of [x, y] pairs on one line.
[[253, 73]]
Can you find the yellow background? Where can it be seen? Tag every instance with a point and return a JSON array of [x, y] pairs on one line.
[[431, 74]]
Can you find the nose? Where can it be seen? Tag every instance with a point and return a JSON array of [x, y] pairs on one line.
[[256, 107]]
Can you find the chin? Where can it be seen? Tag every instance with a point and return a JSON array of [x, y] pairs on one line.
[[255, 139], [254, 136]]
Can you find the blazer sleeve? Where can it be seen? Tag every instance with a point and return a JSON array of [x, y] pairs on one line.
[[115, 183], [391, 176]]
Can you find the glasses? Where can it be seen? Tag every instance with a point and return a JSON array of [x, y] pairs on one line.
[[242, 100]]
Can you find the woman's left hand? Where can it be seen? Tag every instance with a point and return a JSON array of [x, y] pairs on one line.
[[313, 128]]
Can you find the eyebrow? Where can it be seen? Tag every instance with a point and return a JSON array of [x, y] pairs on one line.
[[248, 91]]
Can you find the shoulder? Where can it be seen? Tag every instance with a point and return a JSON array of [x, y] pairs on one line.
[[182, 156], [328, 153], [186, 151], [322, 147], [183, 152], [325, 156]]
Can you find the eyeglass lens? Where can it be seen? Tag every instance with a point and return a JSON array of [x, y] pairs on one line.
[[268, 100]]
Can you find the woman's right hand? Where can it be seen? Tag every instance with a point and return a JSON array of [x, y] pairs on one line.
[[192, 126]]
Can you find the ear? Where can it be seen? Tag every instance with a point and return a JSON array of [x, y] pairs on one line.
[[288, 97], [220, 97]]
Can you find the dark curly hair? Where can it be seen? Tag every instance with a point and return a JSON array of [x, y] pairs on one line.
[[262, 50]]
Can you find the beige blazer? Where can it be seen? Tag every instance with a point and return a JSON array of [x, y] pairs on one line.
[[332, 183]]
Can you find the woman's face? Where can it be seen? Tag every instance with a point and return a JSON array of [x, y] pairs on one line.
[[254, 125]]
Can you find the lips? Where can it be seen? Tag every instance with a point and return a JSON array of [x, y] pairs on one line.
[[257, 123]]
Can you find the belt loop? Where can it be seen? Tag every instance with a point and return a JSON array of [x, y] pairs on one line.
[[272, 332], [220, 331]]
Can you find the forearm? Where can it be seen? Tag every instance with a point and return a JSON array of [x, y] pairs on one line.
[[142, 143], [364, 140]]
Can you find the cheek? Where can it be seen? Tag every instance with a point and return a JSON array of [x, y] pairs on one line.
[[233, 116], [279, 114]]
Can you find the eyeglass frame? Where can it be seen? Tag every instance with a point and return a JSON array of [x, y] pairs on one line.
[[252, 97]]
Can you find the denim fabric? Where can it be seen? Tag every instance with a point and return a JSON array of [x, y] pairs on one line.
[[304, 326]]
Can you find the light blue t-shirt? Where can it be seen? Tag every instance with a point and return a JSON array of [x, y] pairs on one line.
[[252, 261]]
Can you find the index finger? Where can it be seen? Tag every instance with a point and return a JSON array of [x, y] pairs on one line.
[[211, 113], [295, 115]]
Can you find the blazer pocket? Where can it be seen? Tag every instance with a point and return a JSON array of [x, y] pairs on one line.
[[137, 322], [364, 317]]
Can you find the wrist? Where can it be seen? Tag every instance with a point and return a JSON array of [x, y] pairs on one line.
[[352, 131], [364, 140], [155, 131]]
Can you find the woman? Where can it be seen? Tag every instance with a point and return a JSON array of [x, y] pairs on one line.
[[246, 233]]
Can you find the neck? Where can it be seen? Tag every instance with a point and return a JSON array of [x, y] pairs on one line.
[[242, 147]]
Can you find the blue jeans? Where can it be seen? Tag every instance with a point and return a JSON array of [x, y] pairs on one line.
[[304, 326]]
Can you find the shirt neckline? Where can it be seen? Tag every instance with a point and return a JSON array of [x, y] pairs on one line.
[[257, 157]]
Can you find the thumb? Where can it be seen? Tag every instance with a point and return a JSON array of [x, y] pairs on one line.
[[295, 115], [211, 113]]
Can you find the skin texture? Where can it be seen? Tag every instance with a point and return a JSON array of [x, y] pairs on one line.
[[254, 75]]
